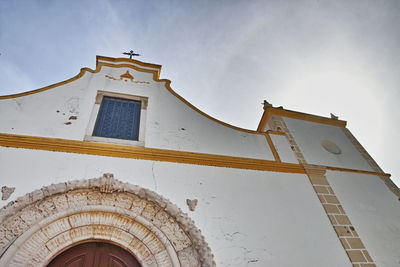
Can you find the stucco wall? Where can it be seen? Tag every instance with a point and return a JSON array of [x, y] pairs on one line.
[[283, 149], [248, 218], [374, 212], [308, 135], [170, 123]]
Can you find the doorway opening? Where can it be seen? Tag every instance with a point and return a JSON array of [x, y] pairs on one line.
[[95, 254]]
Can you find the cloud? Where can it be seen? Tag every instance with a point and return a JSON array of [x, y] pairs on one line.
[[227, 56]]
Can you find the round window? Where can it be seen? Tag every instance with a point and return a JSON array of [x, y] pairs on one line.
[[331, 147]]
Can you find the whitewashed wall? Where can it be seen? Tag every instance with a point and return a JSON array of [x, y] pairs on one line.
[[374, 212], [283, 149], [308, 135], [170, 123], [248, 218]]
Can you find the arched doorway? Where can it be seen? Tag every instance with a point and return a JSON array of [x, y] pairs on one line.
[[97, 254], [38, 226]]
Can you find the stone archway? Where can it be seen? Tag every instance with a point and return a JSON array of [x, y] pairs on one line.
[[38, 226]]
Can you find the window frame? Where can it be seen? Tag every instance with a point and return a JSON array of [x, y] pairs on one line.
[[95, 112]]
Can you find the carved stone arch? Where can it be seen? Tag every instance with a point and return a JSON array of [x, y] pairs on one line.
[[40, 225]]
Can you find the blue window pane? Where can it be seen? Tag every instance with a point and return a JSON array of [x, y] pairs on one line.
[[118, 118]]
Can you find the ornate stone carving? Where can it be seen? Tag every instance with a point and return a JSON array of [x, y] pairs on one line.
[[192, 203], [39, 225]]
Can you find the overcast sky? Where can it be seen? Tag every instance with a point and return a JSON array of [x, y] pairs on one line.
[[226, 57]]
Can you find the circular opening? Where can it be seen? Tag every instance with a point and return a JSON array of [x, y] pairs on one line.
[[331, 147]]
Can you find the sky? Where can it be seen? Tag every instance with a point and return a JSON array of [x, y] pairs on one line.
[[226, 57]]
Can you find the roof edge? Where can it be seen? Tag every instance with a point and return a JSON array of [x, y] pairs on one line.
[[139, 66], [121, 59], [269, 111]]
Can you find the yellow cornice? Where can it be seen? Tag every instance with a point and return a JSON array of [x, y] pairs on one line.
[[123, 151], [263, 122], [275, 132], [386, 175], [79, 75], [269, 111], [272, 147]]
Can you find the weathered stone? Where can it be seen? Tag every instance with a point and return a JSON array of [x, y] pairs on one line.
[[123, 200], [59, 241], [120, 236], [31, 216], [139, 231], [150, 261], [80, 232], [175, 234], [138, 205], [6, 192], [83, 218], [192, 203], [56, 188], [46, 207], [77, 198], [160, 218], [36, 195], [16, 225], [77, 184], [141, 250], [5, 237], [163, 259], [131, 188], [94, 197], [188, 257], [83, 223], [150, 211], [108, 199], [153, 243], [56, 227], [60, 202]]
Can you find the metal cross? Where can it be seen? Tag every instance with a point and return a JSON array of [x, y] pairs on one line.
[[130, 54]]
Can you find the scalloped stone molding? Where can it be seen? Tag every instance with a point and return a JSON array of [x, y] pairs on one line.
[[40, 225]]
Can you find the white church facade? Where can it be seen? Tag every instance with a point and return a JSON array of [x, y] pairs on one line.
[[113, 168]]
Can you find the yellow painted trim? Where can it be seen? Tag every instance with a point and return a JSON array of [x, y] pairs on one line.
[[276, 132], [79, 75], [137, 62], [167, 84], [386, 175], [268, 112], [156, 78], [273, 149], [123, 151], [263, 122]]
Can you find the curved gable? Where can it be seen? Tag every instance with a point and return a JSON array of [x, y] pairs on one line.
[[68, 111]]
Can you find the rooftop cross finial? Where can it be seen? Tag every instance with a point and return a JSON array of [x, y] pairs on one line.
[[266, 104], [130, 54]]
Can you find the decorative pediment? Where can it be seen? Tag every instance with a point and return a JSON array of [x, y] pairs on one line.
[[126, 77]]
